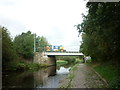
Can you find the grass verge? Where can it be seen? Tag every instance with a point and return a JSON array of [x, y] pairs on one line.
[[61, 62], [108, 72]]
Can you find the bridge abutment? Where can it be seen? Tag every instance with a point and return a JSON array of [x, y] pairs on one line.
[[51, 60], [41, 59]]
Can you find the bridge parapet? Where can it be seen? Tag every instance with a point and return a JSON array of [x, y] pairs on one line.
[[68, 53]]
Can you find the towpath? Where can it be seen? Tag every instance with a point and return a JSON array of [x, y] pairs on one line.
[[84, 77]]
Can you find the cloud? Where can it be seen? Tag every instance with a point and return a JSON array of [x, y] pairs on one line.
[[13, 26], [54, 19], [7, 3]]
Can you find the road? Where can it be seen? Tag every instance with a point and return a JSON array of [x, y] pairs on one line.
[[84, 77]]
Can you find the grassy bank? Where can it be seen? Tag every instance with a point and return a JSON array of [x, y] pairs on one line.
[[61, 62], [70, 77], [22, 66], [109, 72]]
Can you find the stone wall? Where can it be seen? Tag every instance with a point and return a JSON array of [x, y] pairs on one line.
[[42, 59]]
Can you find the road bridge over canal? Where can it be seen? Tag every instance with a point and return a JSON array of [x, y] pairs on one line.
[[52, 59]]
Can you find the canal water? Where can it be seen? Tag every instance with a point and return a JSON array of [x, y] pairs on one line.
[[50, 77]]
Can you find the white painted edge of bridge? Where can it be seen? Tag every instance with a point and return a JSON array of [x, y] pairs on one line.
[[63, 54]]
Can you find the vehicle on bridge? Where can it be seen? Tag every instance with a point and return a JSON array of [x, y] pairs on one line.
[[55, 48]]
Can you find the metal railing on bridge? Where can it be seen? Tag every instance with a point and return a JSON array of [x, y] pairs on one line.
[[62, 52], [67, 53]]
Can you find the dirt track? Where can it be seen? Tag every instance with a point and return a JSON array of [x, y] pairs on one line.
[[84, 77]]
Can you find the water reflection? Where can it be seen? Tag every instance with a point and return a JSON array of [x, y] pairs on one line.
[[62, 70], [44, 78], [17, 80], [40, 77], [52, 71]]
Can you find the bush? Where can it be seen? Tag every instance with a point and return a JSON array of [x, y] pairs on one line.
[[22, 66]]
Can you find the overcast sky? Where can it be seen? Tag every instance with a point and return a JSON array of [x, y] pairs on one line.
[[53, 19]]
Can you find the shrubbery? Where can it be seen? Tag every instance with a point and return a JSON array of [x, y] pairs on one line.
[[22, 66]]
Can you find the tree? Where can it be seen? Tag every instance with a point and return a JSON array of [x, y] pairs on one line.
[[25, 45], [41, 42], [100, 30], [8, 50]]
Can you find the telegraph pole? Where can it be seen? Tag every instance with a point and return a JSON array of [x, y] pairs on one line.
[[39, 44]]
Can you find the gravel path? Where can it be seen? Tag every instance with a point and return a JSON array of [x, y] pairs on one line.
[[84, 77]]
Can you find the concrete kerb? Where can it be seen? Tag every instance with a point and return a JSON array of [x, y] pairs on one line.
[[99, 76]]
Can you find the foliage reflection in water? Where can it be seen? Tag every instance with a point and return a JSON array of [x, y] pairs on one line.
[[44, 78]]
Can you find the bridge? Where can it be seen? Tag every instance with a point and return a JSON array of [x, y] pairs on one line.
[[50, 57], [68, 53]]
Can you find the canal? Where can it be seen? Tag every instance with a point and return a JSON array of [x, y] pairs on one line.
[[49, 77]]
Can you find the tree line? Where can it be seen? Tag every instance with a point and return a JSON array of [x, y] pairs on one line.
[[21, 47], [100, 39], [100, 32]]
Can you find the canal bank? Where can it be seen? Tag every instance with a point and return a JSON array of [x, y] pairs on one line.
[[82, 76]]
